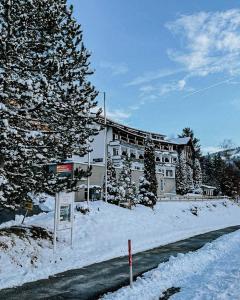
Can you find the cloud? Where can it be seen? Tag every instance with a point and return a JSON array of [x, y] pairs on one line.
[[114, 68], [153, 92], [148, 77], [118, 115], [208, 87], [172, 87], [211, 42]]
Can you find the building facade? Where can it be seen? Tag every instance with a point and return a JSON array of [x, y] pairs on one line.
[[122, 141]]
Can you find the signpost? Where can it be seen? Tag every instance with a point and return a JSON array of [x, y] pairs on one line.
[[28, 206], [64, 214], [130, 262]]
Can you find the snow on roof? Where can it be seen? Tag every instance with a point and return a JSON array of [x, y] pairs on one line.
[[208, 186], [114, 123], [180, 141]]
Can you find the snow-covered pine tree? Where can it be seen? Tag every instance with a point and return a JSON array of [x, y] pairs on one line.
[[207, 170], [112, 187], [46, 99], [67, 70], [126, 186], [197, 175], [19, 95], [181, 174], [190, 183], [148, 185]]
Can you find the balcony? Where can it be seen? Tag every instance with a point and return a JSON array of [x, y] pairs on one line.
[[114, 143], [116, 157]]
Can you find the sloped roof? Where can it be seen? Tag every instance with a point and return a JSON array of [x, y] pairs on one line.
[[180, 141], [127, 128]]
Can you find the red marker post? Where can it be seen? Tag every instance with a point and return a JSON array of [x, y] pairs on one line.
[[130, 262]]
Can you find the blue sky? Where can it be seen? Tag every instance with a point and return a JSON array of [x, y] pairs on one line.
[[165, 65]]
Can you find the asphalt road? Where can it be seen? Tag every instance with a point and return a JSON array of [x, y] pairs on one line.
[[93, 281]]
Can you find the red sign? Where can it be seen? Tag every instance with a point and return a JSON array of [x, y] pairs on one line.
[[65, 168]]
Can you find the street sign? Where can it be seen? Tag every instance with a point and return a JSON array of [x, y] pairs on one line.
[[28, 205], [65, 170], [64, 214]]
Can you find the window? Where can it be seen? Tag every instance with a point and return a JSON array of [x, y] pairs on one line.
[[166, 159], [157, 158], [161, 185], [169, 173], [132, 155], [98, 160], [115, 151], [124, 153], [161, 170], [140, 156]]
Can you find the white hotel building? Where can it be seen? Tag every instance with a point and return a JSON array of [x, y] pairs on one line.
[[123, 140]]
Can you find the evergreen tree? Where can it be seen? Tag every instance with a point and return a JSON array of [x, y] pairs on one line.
[[190, 184], [207, 170], [218, 169], [20, 94], [148, 184], [230, 183], [182, 183], [188, 132], [126, 186], [46, 99], [112, 187], [197, 175], [221, 173]]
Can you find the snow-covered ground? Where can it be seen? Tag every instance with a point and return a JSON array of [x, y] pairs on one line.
[[212, 272], [103, 233]]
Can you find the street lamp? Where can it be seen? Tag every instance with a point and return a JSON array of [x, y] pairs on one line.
[[105, 143]]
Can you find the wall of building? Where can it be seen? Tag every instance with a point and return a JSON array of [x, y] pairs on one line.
[[169, 185], [98, 146], [97, 179], [122, 141]]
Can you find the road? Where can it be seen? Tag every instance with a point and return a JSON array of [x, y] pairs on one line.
[[93, 281]]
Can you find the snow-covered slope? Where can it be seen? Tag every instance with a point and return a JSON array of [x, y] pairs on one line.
[[232, 154], [212, 272], [103, 233]]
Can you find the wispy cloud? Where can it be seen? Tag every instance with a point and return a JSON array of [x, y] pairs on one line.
[[174, 86], [211, 42], [114, 68], [148, 77], [154, 92], [118, 115], [208, 87]]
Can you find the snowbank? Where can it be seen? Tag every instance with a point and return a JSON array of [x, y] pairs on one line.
[[212, 272], [103, 233]]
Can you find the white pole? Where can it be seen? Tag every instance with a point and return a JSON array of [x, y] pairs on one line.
[[55, 223], [105, 144], [72, 219], [88, 181]]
